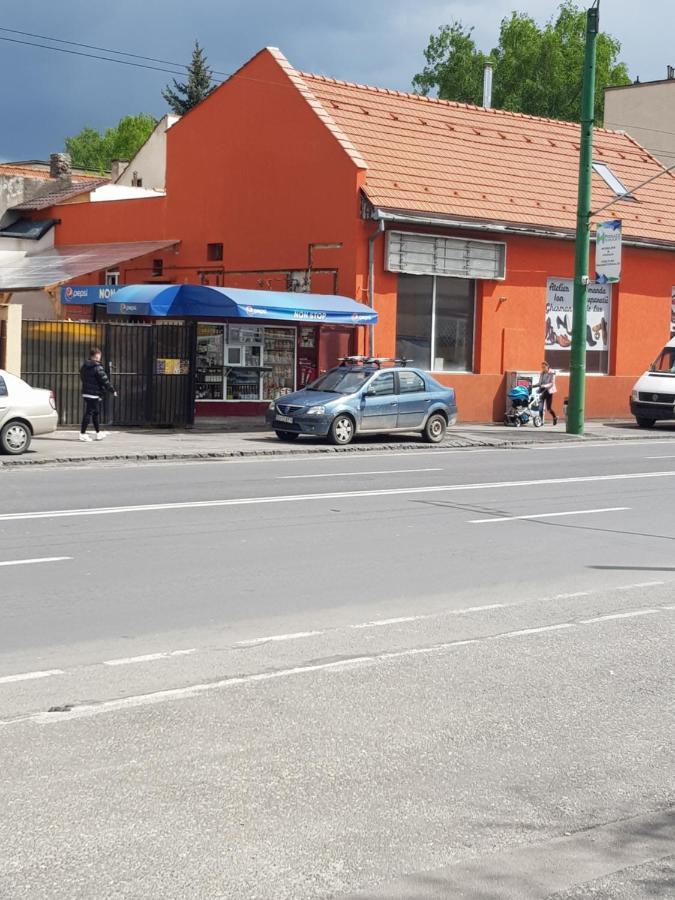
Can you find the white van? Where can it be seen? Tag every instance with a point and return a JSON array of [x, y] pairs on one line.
[[653, 396]]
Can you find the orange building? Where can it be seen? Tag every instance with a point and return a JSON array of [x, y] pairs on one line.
[[455, 222]]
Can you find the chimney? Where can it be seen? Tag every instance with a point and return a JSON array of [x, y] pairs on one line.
[[671, 73], [487, 85], [59, 165], [117, 166]]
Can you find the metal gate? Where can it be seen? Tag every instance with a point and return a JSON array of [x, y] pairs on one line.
[[150, 366]]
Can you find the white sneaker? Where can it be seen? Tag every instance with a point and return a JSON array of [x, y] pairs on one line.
[[101, 435], [85, 437]]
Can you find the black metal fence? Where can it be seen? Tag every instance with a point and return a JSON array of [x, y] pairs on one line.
[[150, 366]]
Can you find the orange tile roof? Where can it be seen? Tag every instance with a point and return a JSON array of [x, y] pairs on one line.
[[453, 160]]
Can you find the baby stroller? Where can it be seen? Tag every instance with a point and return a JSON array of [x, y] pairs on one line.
[[524, 407]]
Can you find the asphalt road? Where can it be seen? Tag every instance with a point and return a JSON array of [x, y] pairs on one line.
[[439, 674]]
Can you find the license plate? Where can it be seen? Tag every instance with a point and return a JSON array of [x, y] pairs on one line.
[[287, 419]]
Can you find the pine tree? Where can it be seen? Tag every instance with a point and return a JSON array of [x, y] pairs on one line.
[[184, 95]]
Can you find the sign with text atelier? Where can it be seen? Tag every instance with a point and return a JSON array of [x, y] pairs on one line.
[[559, 310], [608, 252]]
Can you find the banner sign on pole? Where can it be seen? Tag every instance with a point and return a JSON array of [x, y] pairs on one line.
[[608, 252]]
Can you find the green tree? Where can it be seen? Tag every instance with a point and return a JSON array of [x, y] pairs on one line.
[[537, 69], [95, 150], [186, 94]]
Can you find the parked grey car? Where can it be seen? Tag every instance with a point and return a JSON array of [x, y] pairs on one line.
[[365, 398]]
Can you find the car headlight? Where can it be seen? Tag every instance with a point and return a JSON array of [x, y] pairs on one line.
[[316, 411], [271, 407], [634, 395]]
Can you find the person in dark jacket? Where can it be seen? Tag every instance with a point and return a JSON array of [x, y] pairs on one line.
[[95, 384]]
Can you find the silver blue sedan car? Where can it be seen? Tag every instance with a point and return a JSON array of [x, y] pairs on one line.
[[365, 398]]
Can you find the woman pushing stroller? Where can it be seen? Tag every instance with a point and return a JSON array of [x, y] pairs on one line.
[[547, 389]]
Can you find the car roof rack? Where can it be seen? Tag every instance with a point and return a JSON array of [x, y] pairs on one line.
[[376, 361]]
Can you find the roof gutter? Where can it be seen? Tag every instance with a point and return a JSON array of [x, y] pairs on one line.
[[504, 228]]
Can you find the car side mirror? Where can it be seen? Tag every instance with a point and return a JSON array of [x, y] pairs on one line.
[[652, 368], [370, 392]]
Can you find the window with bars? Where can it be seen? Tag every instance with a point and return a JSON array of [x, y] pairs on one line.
[[429, 254]]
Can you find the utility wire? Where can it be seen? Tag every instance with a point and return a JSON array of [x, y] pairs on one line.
[[122, 62], [45, 37]]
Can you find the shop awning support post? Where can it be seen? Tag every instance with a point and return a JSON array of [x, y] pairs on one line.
[[577, 393]]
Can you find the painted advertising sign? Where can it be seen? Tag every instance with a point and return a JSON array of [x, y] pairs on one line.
[[559, 297]]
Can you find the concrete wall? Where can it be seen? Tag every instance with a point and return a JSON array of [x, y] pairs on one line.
[[149, 164], [647, 112]]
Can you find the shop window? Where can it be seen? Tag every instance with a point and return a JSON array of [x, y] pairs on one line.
[[558, 325], [244, 362], [435, 322], [214, 252]]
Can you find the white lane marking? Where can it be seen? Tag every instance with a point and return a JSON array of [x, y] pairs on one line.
[[659, 457], [377, 623], [333, 495], [553, 515], [29, 676], [147, 657], [535, 630], [572, 596], [30, 562], [355, 473], [624, 615], [278, 637], [640, 584]]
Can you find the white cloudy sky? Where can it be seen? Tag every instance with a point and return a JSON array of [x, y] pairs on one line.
[[46, 96]]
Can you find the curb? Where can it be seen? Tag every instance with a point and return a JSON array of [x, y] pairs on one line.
[[240, 454]]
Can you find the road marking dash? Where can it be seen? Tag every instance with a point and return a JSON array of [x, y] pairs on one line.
[[252, 642], [551, 515], [640, 584], [624, 615], [30, 562], [29, 676], [147, 657], [535, 630], [356, 473]]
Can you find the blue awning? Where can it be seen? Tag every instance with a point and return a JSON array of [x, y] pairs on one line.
[[204, 301]]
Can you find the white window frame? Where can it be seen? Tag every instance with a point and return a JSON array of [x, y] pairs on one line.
[[112, 277]]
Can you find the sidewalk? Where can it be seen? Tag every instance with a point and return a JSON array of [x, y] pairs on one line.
[[145, 445]]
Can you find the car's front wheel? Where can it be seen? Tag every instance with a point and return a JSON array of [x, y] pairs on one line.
[[341, 430], [645, 422], [15, 438], [287, 435], [434, 430]]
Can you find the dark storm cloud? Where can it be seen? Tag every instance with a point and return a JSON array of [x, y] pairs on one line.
[[46, 96]]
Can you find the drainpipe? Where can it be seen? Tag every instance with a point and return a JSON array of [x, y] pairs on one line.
[[371, 282]]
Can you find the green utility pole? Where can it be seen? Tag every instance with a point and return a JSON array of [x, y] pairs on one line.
[[575, 406]]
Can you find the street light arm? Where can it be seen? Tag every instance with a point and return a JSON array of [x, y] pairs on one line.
[[630, 193]]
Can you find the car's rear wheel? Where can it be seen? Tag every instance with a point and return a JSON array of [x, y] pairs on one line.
[[287, 435], [15, 438], [645, 422], [341, 430], [434, 430]]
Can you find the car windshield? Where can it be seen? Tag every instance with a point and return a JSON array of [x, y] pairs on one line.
[[666, 360], [340, 381]]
